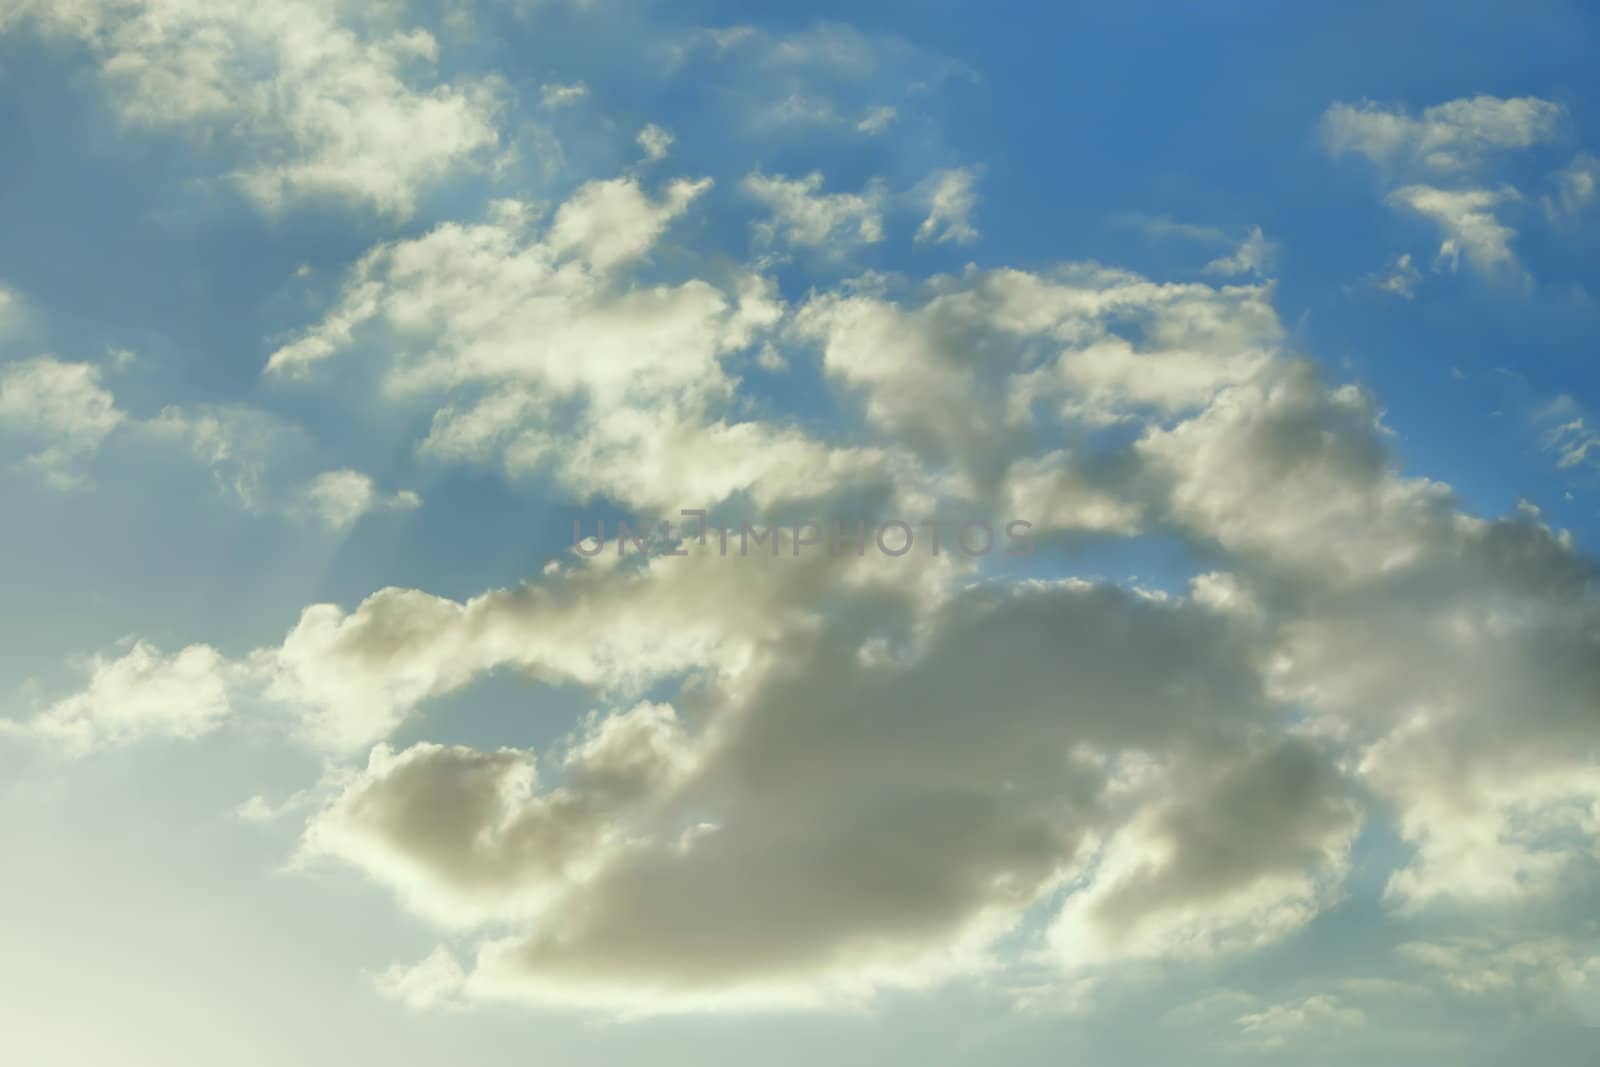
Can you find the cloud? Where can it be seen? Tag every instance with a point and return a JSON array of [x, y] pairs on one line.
[[1568, 435], [612, 222], [65, 413], [1576, 186], [1164, 227], [827, 81], [811, 780], [1423, 638], [545, 354], [876, 120], [1227, 858], [1456, 142], [1468, 221], [140, 694], [818, 813], [353, 676], [555, 95], [256, 460], [960, 375], [655, 141], [1401, 278], [802, 214], [242, 446], [952, 197], [1255, 255], [476, 294], [1279, 1025], [339, 497], [715, 823], [1558, 970], [62, 410], [312, 103], [10, 310], [430, 985], [1450, 137]]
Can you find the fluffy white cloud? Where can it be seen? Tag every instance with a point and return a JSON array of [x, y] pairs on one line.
[[62, 411], [141, 693], [804, 215], [1470, 226], [339, 497], [878, 774], [655, 141], [499, 300], [1452, 136], [1455, 143], [964, 377], [612, 222], [550, 356], [319, 103]]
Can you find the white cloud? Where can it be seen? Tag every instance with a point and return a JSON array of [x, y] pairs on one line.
[[435, 982], [962, 378], [552, 358], [555, 94], [340, 497], [139, 694], [1573, 441], [1255, 255], [819, 815], [1164, 227], [1470, 226], [952, 197], [655, 141], [612, 222], [62, 411], [1456, 142], [804, 215], [1556, 969], [1453, 136], [316, 103], [1576, 187], [876, 120]]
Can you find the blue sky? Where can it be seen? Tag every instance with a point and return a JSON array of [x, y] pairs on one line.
[[321, 324]]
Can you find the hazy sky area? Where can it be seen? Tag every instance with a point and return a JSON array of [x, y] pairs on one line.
[[1271, 735]]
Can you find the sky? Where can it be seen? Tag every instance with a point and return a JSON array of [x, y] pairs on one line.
[[1211, 392]]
